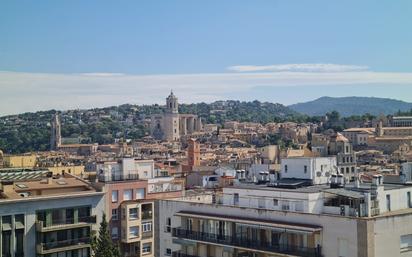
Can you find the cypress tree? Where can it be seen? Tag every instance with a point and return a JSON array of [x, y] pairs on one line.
[[103, 246]]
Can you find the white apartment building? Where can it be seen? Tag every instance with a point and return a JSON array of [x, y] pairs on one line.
[[316, 169], [290, 219]]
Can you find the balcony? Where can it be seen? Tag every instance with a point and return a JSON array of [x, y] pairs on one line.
[[65, 224], [114, 178], [180, 254], [147, 215], [65, 245], [247, 243]]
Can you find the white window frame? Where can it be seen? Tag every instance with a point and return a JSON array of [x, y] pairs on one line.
[[146, 227]]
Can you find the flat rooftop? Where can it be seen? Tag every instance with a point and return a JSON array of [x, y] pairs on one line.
[[47, 186], [305, 189]]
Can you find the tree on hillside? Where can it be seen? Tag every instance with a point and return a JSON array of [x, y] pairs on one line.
[[103, 246]]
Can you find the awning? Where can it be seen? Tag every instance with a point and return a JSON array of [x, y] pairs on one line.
[[295, 227]]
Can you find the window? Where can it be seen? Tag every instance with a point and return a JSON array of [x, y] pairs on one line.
[[133, 232], [275, 202], [353, 169], [147, 227], [115, 196], [406, 243], [139, 193], [147, 248], [115, 232], [286, 168], [236, 199], [115, 215], [168, 251], [133, 213], [168, 225], [342, 170], [128, 195], [388, 202], [321, 167], [305, 169], [285, 205], [408, 199]]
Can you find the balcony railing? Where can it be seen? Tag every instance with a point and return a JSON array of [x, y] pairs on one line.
[[248, 243], [180, 254], [64, 223], [114, 178], [76, 243]]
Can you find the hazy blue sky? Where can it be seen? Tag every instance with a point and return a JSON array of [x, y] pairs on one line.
[[77, 53]]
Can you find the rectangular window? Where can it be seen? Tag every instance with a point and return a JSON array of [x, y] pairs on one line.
[[286, 168], [134, 232], [305, 169], [115, 215], [147, 248], [139, 193], [115, 232], [408, 199], [275, 202], [388, 202], [133, 213], [236, 199], [127, 195], [168, 225], [168, 251], [147, 227], [285, 205], [115, 196]]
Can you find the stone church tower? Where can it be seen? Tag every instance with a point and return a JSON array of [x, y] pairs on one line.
[[172, 106], [171, 125], [171, 119], [55, 138]]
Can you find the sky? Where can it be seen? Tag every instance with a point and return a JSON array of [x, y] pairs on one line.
[[80, 54]]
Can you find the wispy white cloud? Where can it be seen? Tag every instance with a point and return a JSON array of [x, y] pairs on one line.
[[303, 67], [102, 74], [21, 92]]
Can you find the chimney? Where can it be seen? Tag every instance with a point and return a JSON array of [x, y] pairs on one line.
[[377, 180], [7, 186]]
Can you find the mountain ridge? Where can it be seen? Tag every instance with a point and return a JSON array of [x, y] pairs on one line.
[[351, 105]]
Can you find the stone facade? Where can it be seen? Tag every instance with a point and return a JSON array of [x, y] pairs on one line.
[[171, 125]]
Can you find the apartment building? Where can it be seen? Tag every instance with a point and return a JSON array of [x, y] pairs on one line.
[[131, 185], [289, 219], [48, 216], [137, 228]]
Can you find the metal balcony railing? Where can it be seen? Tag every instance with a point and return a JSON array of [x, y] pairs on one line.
[[65, 243], [61, 223], [248, 243], [113, 178]]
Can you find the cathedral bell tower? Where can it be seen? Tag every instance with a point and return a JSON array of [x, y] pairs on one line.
[[172, 105]]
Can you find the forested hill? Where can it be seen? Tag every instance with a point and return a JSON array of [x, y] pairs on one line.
[[348, 106], [31, 131]]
